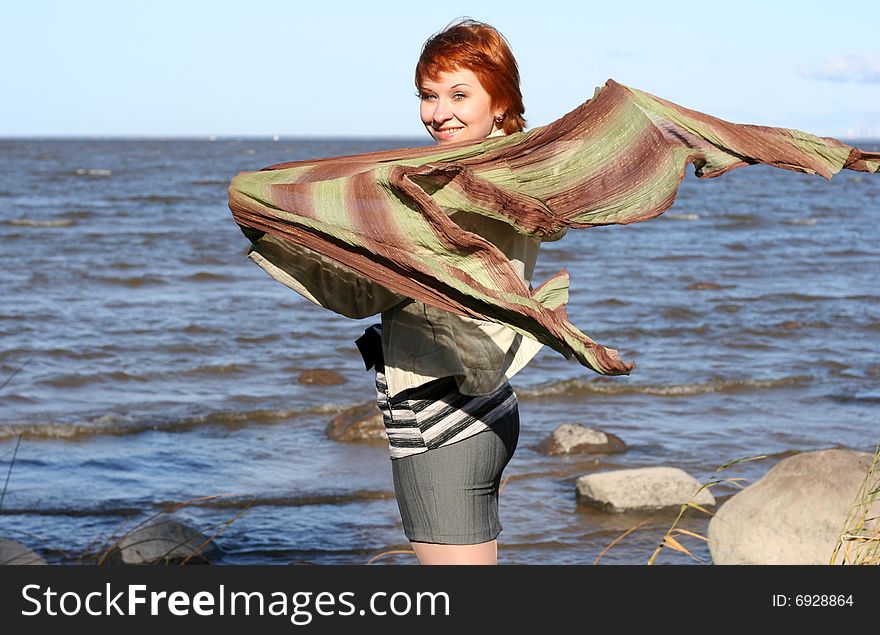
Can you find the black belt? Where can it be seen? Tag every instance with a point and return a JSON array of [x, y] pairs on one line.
[[370, 346]]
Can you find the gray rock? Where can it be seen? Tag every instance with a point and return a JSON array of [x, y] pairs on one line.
[[641, 488], [165, 541], [13, 552], [794, 514], [321, 376], [358, 423], [573, 438]]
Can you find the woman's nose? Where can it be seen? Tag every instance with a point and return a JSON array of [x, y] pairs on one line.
[[442, 112]]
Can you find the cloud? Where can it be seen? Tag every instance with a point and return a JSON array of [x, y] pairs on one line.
[[848, 67]]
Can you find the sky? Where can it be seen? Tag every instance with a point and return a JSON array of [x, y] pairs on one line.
[[333, 69]]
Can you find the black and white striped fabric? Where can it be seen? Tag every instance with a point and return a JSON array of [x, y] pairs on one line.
[[438, 415]]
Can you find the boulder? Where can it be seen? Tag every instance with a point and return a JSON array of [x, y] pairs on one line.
[[358, 423], [574, 438], [794, 514], [321, 376], [13, 552], [165, 541], [641, 488]]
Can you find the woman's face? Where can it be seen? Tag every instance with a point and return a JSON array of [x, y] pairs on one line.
[[457, 108]]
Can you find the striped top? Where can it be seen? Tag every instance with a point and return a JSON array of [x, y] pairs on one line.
[[438, 415]]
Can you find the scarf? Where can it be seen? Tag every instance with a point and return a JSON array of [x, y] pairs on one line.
[[618, 158]]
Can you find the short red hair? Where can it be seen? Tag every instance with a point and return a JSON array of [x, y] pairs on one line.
[[481, 49]]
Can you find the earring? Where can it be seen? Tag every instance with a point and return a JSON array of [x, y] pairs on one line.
[[499, 118]]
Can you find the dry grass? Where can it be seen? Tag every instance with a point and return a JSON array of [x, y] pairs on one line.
[[675, 536], [9, 473], [859, 542], [112, 548]]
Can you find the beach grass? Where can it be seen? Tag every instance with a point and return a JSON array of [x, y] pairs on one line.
[[112, 548], [861, 544], [674, 536]]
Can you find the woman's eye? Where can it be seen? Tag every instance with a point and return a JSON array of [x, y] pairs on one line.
[[426, 96], [457, 95]]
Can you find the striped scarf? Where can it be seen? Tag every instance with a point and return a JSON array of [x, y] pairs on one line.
[[616, 159]]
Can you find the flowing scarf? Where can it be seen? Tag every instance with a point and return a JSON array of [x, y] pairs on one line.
[[616, 159]]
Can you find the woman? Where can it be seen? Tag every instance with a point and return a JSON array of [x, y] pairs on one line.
[[442, 379]]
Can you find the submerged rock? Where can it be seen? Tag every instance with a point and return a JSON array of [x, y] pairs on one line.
[[640, 489], [13, 552], [358, 423], [574, 438], [794, 514], [321, 376], [164, 541]]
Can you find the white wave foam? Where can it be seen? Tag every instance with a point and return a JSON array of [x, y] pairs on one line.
[[577, 387], [32, 222], [799, 221]]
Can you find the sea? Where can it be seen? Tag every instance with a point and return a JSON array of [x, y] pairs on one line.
[[149, 370]]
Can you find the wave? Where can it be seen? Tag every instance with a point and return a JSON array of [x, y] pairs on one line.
[[258, 339], [708, 286], [680, 313], [132, 281], [207, 276], [784, 328], [79, 214], [602, 386], [153, 198], [610, 302], [216, 369], [33, 222], [92, 172], [78, 380], [799, 221], [232, 502], [740, 219], [112, 424], [683, 216]]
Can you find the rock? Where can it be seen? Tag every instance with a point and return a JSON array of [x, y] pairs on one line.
[[13, 552], [164, 541], [641, 488], [573, 438], [794, 514], [358, 423], [321, 376]]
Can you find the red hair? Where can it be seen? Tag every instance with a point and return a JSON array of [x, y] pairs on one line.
[[481, 49]]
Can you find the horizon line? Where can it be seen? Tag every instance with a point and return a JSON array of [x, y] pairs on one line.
[[277, 137]]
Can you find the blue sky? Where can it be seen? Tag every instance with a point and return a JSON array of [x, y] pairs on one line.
[[334, 68]]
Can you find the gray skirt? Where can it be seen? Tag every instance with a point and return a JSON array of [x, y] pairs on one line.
[[449, 494]]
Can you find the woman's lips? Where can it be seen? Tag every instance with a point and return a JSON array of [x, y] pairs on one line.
[[448, 133]]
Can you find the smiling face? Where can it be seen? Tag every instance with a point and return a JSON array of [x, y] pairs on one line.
[[456, 107]]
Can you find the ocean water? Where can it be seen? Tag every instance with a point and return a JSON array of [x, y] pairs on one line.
[[145, 362]]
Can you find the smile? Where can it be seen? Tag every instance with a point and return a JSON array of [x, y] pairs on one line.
[[448, 133]]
